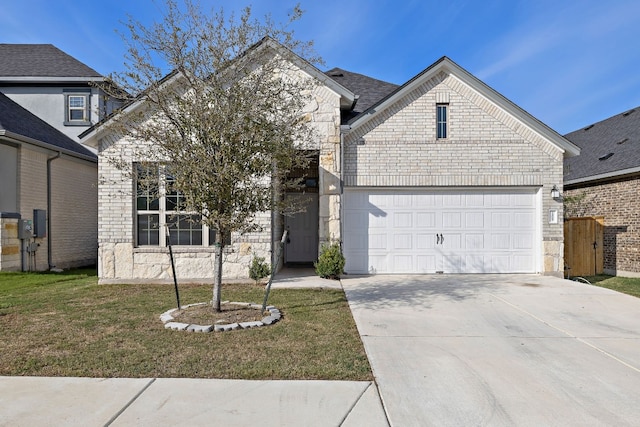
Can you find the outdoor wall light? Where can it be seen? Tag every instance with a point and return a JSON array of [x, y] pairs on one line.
[[555, 193]]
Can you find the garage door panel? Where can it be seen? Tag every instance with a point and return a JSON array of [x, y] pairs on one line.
[[500, 220], [474, 241], [452, 200], [500, 263], [376, 241], [524, 220], [452, 264], [378, 264], [426, 219], [425, 241], [475, 263], [402, 241], [403, 201], [424, 200], [451, 220], [426, 263], [522, 241], [451, 242], [474, 220], [402, 263], [474, 200], [403, 220], [521, 264], [500, 241], [463, 231]]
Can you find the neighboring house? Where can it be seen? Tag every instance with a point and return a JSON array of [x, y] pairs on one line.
[[54, 86], [42, 169], [441, 174], [604, 180]]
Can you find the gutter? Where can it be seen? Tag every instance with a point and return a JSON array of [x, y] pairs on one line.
[[603, 176], [49, 247], [25, 139]]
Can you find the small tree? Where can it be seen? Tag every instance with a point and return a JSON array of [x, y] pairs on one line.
[[222, 109]]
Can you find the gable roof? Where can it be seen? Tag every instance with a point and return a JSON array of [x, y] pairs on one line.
[[347, 97], [446, 65], [367, 89], [610, 148], [37, 62], [20, 125]]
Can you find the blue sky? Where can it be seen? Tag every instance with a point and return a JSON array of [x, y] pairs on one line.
[[569, 63]]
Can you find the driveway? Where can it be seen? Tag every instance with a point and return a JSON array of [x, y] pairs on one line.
[[499, 350]]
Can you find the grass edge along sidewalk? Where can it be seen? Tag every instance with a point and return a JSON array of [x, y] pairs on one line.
[[66, 325]]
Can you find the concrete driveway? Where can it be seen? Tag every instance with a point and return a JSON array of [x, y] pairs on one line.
[[499, 350]]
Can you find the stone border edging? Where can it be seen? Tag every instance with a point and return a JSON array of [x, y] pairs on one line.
[[273, 317]]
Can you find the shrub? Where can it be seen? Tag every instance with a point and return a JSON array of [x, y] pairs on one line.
[[259, 268], [330, 263]]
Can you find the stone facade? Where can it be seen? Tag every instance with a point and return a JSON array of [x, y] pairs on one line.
[[616, 200], [485, 147], [119, 260]]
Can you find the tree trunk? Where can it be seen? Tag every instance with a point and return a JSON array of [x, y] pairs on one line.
[[217, 275]]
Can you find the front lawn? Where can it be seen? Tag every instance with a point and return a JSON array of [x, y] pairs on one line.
[[67, 325], [627, 285]]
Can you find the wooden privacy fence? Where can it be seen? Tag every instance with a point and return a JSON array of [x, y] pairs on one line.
[[583, 245]]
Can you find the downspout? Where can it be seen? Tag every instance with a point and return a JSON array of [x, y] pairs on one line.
[[49, 255]]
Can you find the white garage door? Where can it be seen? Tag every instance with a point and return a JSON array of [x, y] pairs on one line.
[[463, 231]]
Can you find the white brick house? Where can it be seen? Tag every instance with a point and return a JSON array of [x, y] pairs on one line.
[[441, 174]]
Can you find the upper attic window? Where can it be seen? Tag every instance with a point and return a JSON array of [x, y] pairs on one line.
[[77, 112], [442, 116]]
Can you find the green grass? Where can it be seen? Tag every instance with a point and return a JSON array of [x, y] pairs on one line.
[[627, 285], [67, 325]]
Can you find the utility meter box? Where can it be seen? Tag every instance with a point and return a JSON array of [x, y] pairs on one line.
[[39, 223], [25, 229]]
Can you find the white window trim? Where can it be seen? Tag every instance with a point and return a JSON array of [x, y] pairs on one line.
[[163, 214]]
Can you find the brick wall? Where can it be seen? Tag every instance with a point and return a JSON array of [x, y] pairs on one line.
[[618, 202], [33, 195], [74, 212], [486, 146]]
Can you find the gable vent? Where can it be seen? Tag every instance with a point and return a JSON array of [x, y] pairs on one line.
[[622, 141], [626, 113], [605, 157], [588, 127]]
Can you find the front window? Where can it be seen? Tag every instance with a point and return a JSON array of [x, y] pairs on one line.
[[442, 114], [159, 208]]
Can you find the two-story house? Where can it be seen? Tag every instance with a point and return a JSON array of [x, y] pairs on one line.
[[48, 180]]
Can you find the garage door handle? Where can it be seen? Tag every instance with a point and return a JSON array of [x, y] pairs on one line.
[[437, 239], [441, 239]]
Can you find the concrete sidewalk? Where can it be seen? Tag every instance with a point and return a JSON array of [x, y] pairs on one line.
[[44, 401]]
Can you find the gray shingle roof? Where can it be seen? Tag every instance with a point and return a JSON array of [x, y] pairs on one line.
[[609, 146], [40, 60], [368, 89], [17, 120]]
